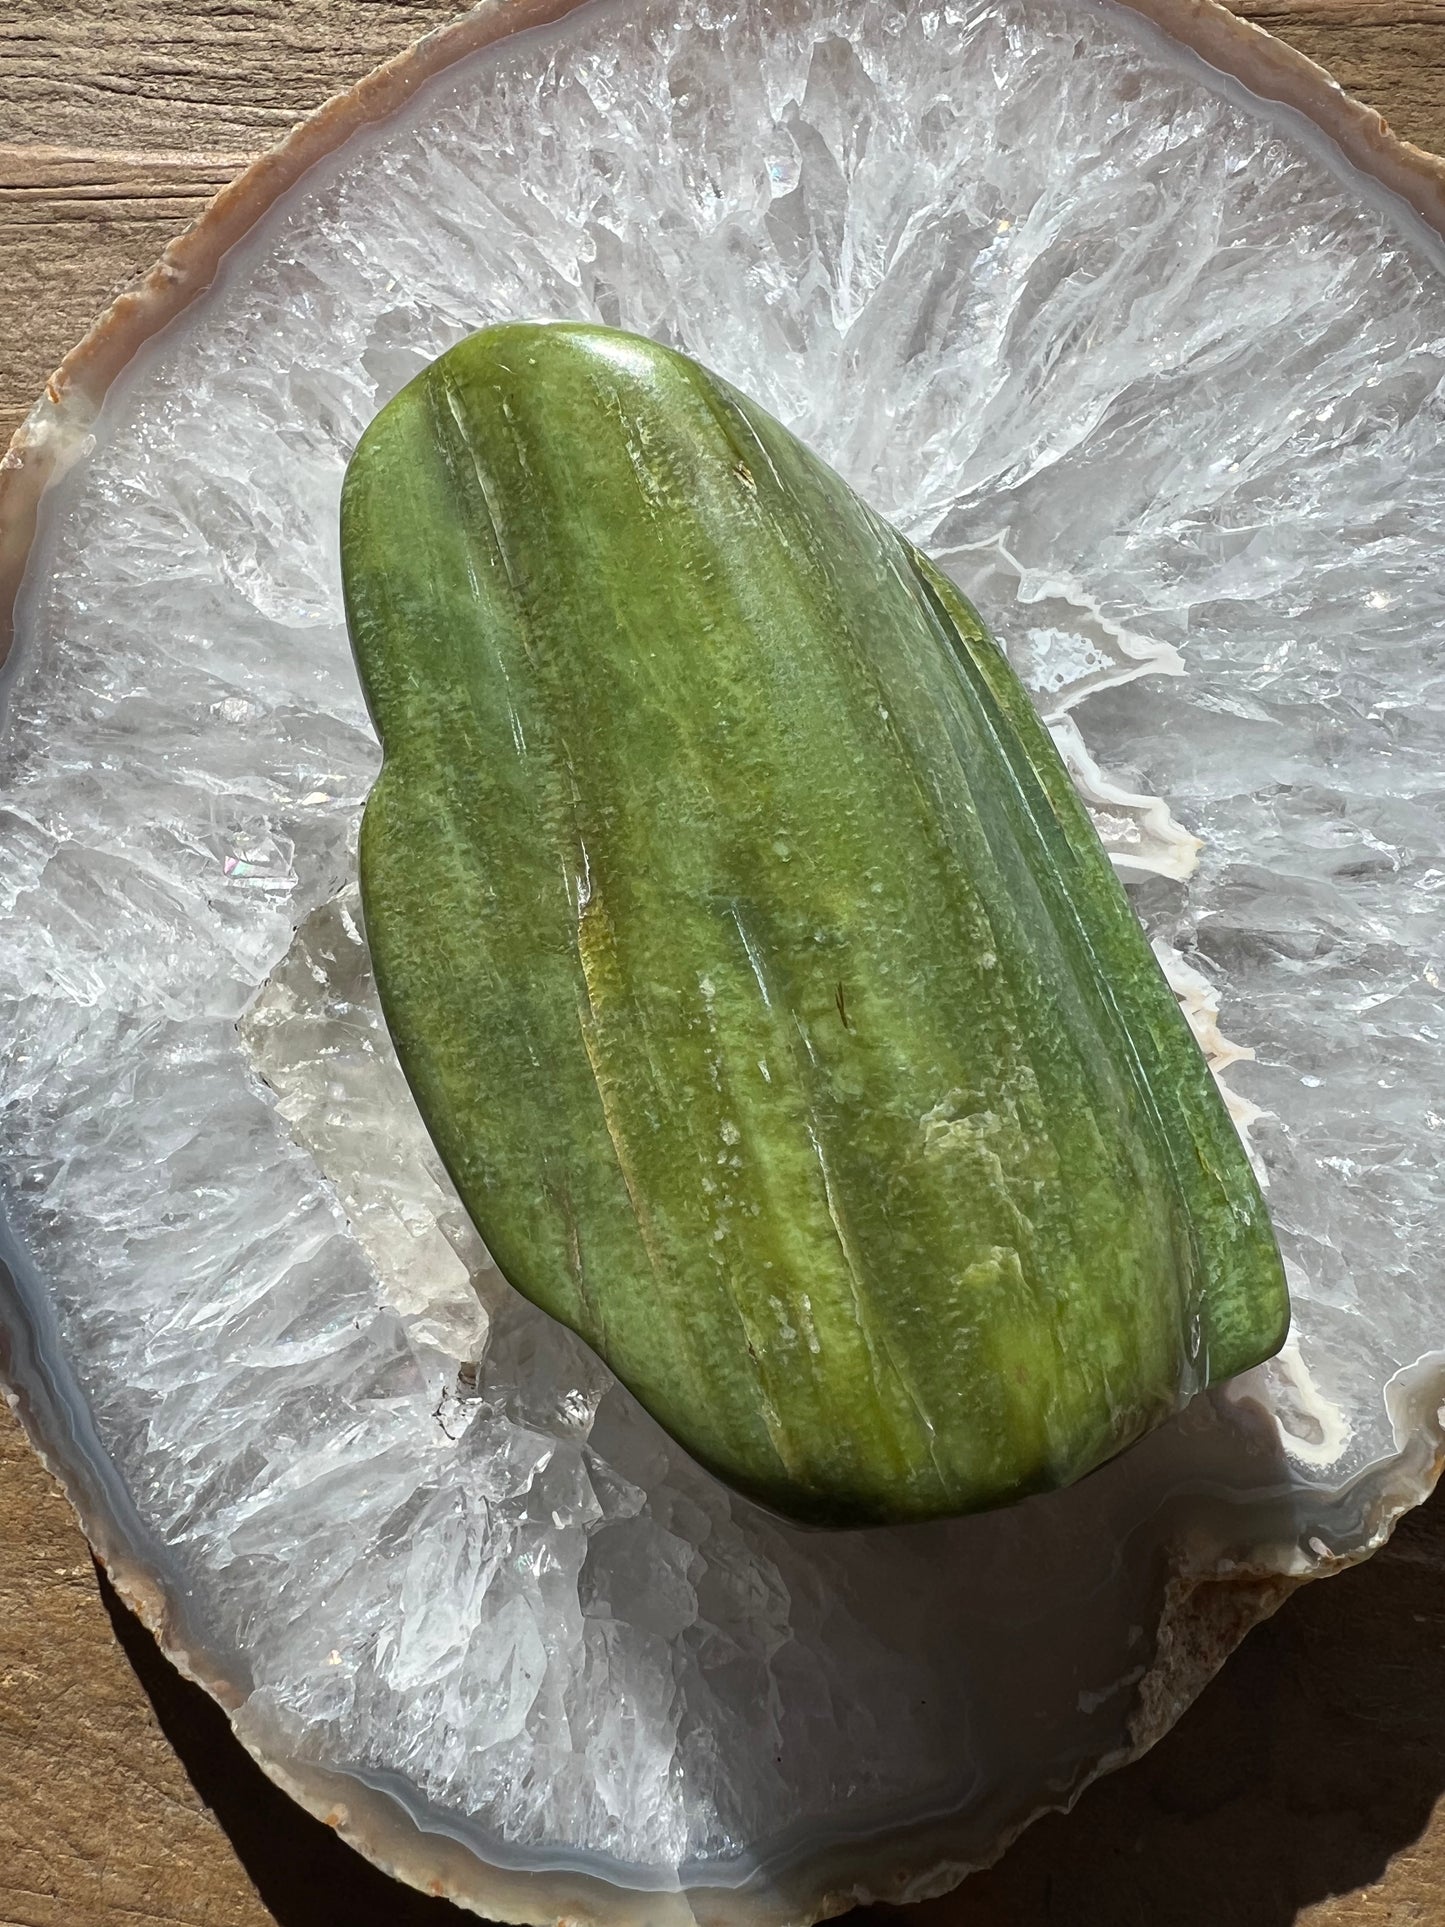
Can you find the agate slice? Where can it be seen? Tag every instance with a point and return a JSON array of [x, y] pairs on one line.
[[757, 971], [1149, 364]]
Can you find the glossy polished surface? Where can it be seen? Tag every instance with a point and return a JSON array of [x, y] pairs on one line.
[[751, 957]]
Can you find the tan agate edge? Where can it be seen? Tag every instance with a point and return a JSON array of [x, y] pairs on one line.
[[1206, 1613]]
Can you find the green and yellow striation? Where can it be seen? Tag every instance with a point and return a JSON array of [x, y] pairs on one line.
[[757, 971]]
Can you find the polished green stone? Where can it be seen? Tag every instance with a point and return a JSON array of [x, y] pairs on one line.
[[756, 969]]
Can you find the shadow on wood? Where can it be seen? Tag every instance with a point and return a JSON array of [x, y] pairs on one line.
[[305, 1874], [1314, 1759]]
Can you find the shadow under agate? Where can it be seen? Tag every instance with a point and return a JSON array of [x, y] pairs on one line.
[[306, 1875], [1312, 1760]]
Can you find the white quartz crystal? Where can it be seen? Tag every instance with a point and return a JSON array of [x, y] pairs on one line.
[[1157, 379]]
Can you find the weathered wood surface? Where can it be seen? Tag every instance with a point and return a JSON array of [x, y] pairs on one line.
[[1300, 1792]]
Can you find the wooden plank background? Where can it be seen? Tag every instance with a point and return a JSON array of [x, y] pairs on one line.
[[1302, 1789]]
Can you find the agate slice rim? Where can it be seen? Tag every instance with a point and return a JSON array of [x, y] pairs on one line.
[[1204, 1614]]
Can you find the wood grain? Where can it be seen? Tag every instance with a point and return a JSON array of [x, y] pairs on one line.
[[1302, 1790], [125, 115], [99, 1821]]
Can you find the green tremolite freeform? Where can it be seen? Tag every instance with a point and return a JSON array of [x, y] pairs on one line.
[[759, 976]]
